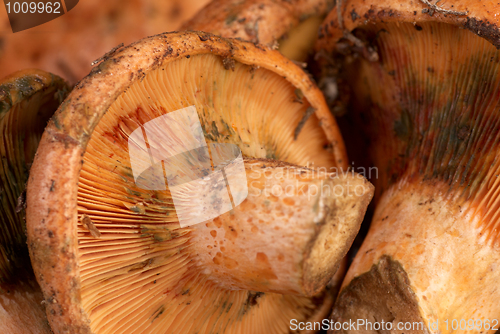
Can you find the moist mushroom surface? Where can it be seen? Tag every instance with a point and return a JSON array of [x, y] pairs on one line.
[[116, 257]]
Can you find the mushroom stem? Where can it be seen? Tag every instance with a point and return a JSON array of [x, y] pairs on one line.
[[289, 233], [421, 264]]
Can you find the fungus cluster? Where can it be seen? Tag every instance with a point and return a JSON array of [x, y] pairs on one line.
[[195, 181]]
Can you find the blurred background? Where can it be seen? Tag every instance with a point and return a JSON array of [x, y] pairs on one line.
[[67, 45]]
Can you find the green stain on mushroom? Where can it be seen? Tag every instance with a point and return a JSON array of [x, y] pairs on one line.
[[437, 115], [402, 126]]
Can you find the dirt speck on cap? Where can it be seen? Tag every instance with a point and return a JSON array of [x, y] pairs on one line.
[[89, 225]]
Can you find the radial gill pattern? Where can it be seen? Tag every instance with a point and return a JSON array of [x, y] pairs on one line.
[[136, 262]]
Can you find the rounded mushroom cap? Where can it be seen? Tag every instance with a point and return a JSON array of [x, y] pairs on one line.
[[27, 100], [113, 238], [478, 17]]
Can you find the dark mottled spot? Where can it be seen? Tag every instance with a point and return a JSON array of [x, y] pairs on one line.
[[203, 38], [354, 15], [228, 63], [231, 18], [252, 300], [402, 126], [463, 132], [158, 312], [21, 202]]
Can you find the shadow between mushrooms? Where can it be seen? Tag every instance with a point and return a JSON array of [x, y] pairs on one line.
[[112, 257], [430, 110]]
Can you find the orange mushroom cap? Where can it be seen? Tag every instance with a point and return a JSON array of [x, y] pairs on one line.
[[115, 257]]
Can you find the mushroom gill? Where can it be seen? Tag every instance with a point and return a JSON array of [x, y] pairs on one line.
[[27, 100], [291, 27], [186, 107], [429, 108]]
